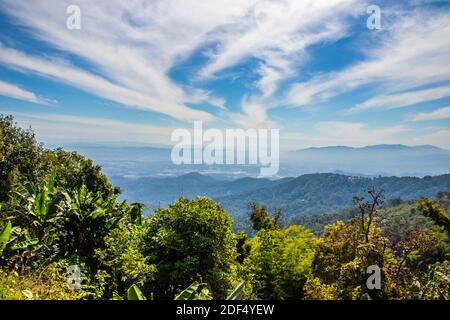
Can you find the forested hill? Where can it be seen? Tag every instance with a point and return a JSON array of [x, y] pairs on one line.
[[306, 194], [325, 193]]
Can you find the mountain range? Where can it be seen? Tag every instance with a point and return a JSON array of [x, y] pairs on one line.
[[305, 195], [385, 160]]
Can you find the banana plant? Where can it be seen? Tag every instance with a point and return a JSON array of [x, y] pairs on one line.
[[190, 293], [133, 293], [88, 218], [39, 210], [238, 292], [41, 203], [4, 236], [89, 207], [196, 292]]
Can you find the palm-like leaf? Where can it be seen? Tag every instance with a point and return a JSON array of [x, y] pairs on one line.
[[190, 293], [133, 293], [4, 236], [237, 292]]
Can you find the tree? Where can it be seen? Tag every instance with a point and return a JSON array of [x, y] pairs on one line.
[[191, 240], [261, 219], [122, 256], [345, 251], [74, 170], [435, 212], [279, 262], [369, 209], [88, 218], [20, 154], [242, 246], [341, 260]]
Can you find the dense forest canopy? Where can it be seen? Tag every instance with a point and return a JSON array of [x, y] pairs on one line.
[[57, 210]]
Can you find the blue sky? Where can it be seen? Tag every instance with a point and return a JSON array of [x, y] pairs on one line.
[[136, 70]]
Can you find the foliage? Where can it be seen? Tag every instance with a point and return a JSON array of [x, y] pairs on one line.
[[341, 259], [278, 263], [191, 240], [261, 219], [48, 284], [197, 291], [88, 218], [134, 293], [20, 154], [4, 236], [74, 171], [122, 257], [435, 212]]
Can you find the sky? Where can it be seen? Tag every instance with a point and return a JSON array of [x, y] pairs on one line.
[[137, 70]]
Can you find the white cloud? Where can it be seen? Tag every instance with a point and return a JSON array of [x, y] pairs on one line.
[[356, 134], [253, 115], [13, 91], [415, 50], [199, 96], [278, 32], [403, 99], [132, 45], [441, 113], [56, 128], [63, 71]]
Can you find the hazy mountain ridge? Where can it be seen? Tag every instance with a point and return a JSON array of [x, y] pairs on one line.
[[386, 160], [306, 194], [160, 191], [399, 160], [325, 193]]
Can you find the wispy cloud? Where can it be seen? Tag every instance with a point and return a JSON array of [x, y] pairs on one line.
[[413, 52], [403, 99], [13, 91], [355, 133], [253, 115], [130, 69], [66, 72], [127, 52], [278, 32], [441, 113], [57, 128]]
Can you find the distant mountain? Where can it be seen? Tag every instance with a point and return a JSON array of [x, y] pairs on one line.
[[305, 195], [386, 160], [399, 160], [326, 192], [160, 191]]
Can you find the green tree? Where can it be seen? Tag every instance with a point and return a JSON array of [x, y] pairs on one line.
[[279, 262], [20, 154], [73, 171], [191, 240], [341, 260], [122, 257], [261, 219], [434, 211]]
